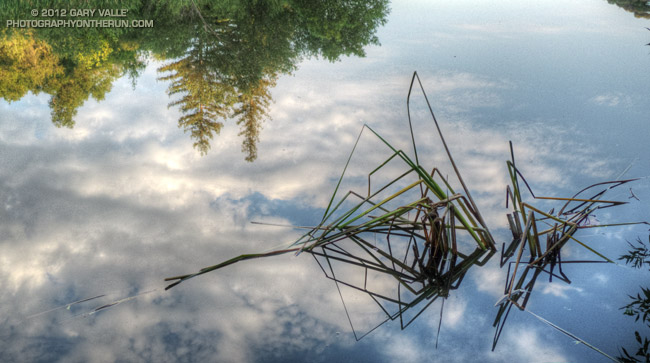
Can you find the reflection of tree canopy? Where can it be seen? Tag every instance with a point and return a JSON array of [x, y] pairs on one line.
[[221, 58], [25, 64], [639, 8], [234, 54], [70, 65]]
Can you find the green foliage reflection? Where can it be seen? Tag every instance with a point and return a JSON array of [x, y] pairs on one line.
[[639, 8], [221, 58]]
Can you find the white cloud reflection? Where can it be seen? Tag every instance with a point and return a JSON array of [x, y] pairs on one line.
[[612, 100]]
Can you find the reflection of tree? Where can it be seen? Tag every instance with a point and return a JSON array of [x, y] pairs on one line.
[[222, 58], [25, 65], [234, 55], [639, 306], [251, 112], [71, 68], [204, 99], [232, 62], [335, 28], [73, 88], [640, 8]]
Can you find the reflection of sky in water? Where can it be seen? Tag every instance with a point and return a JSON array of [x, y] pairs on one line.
[[122, 200]]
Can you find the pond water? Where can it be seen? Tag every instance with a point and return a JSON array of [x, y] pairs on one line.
[[130, 155]]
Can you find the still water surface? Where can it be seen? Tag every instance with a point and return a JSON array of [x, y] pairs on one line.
[[119, 169]]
